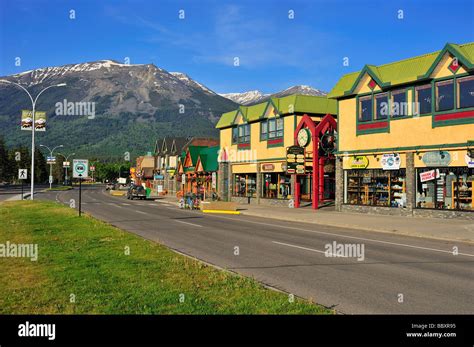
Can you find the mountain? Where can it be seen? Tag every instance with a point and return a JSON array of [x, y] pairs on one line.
[[255, 96], [133, 104]]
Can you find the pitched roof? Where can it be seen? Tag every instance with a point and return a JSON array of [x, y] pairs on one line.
[[404, 71], [290, 104], [208, 158], [194, 153]]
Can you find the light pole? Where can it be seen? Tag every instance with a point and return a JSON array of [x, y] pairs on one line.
[[50, 164], [33, 105], [66, 159]]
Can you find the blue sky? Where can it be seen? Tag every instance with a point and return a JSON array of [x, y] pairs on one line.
[[275, 52]]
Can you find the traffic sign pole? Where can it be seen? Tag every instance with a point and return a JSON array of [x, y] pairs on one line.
[[80, 194], [21, 189]]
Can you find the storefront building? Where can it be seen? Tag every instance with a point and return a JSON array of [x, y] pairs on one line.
[[406, 136], [253, 148], [197, 171]]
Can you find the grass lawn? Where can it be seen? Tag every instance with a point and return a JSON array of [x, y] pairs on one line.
[[85, 259]]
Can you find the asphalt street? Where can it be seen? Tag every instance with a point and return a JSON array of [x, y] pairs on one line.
[[398, 274]]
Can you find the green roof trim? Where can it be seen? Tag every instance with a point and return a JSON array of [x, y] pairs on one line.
[[404, 71], [194, 153], [290, 104]]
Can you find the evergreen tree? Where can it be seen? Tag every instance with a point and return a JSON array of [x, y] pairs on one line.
[[3, 160], [58, 170], [41, 168]]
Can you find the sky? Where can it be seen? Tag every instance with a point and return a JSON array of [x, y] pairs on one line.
[[278, 43]]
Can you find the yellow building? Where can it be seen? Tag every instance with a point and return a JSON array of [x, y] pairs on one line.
[[253, 141], [406, 135]]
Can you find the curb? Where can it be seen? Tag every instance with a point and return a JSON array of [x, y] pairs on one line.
[[221, 211]]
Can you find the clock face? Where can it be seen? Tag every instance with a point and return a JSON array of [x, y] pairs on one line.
[[303, 137]]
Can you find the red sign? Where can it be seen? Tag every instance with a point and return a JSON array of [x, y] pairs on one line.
[[92, 168], [428, 175]]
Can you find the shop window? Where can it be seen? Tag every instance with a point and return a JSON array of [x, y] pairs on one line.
[[445, 188], [235, 135], [245, 185], [381, 106], [444, 96], [244, 133], [276, 186], [275, 128], [365, 109], [465, 92], [423, 99], [263, 130], [375, 187], [399, 104]]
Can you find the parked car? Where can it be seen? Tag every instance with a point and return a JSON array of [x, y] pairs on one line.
[[109, 186], [136, 192]]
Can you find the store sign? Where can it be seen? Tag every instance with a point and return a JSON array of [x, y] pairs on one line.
[[66, 164], [359, 162], [428, 175], [159, 189], [436, 158], [268, 167], [295, 160], [469, 161], [158, 177], [51, 160], [214, 180], [183, 179], [391, 161]]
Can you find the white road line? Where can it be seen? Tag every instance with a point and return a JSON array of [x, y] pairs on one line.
[[350, 237], [125, 204], [194, 225], [305, 248], [141, 212]]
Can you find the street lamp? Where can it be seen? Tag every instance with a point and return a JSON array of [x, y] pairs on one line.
[[33, 105], [50, 164], [66, 159]]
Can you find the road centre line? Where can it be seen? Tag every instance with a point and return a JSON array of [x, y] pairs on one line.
[[305, 248], [194, 225]]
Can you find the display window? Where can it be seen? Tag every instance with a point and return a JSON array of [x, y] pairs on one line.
[[244, 185], [375, 187], [445, 188], [276, 186]]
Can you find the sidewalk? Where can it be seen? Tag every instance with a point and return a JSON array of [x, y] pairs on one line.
[[434, 228]]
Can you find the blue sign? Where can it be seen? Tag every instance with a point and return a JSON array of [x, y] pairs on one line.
[[158, 177]]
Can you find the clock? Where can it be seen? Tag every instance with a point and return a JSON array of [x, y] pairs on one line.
[[303, 137]]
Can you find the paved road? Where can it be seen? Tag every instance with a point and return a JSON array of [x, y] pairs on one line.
[[10, 191], [290, 256]]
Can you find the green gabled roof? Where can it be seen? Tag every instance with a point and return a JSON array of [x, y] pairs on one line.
[[403, 71], [301, 104], [208, 157], [194, 153]]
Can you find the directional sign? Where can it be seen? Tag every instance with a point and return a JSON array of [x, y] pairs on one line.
[[80, 168], [51, 160], [66, 164], [22, 174], [50, 179]]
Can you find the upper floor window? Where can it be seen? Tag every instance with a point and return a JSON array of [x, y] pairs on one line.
[[263, 130], [399, 103], [244, 133], [423, 99], [444, 95], [465, 92], [365, 109], [235, 135], [381, 106]]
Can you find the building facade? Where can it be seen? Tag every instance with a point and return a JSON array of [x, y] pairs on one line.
[[406, 136], [253, 149]]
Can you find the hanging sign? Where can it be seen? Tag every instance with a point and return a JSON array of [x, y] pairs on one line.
[[436, 158], [429, 175], [183, 179], [391, 161], [214, 180], [294, 160], [51, 160], [469, 161], [27, 120], [359, 162]]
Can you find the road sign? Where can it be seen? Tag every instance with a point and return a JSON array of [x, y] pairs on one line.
[[22, 174], [51, 160], [80, 168], [50, 179]]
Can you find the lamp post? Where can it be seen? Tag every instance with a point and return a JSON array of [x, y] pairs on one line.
[[33, 105], [50, 164], [66, 159]]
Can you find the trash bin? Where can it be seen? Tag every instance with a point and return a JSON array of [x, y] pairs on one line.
[[148, 192]]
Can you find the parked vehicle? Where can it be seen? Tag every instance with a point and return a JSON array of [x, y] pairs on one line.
[[109, 186], [136, 192]]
